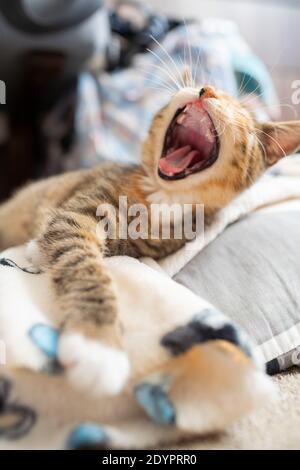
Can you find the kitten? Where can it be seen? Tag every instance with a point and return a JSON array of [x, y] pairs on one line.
[[203, 147]]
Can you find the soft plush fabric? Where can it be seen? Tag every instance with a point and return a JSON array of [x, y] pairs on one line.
[[275, 427], [193, 371], [191, 367]]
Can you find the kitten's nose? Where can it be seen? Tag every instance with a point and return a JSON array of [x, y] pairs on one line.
[[207, 92]]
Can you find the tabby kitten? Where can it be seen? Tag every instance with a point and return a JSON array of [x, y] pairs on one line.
[[203, 147]]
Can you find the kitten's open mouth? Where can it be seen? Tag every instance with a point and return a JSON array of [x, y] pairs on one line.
[[191, 143]]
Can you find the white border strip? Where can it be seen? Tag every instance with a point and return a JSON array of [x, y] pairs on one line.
[[280, 344]]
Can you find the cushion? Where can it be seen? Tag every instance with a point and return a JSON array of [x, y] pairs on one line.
[[252, 273]]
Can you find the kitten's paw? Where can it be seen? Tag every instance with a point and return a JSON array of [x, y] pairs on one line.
[[93, 366]]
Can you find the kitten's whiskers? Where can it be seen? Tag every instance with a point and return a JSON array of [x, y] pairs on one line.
[[169, 56]]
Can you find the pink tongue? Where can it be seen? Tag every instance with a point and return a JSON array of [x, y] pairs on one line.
[[177, 161]]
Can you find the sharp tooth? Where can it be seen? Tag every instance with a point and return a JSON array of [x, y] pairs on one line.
[[182, 115], [181, 118]]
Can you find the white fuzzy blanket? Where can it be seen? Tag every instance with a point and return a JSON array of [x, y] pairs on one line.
[[192, 370]]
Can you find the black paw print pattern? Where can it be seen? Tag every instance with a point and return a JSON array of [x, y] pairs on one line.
[[16, 420]]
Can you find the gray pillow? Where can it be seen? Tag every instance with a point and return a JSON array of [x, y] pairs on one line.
[[251, 272]]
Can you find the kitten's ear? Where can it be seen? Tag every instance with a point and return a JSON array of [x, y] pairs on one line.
[[279, 139]]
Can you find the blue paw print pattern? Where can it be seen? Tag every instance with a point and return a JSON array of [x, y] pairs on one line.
[[87, 435], [45, 338], [274, 172], [156, 403]]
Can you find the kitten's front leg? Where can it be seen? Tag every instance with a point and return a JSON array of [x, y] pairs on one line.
[[90, 347]]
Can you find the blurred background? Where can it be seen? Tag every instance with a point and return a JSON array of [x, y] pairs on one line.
[[81, 79], [271, 28]]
